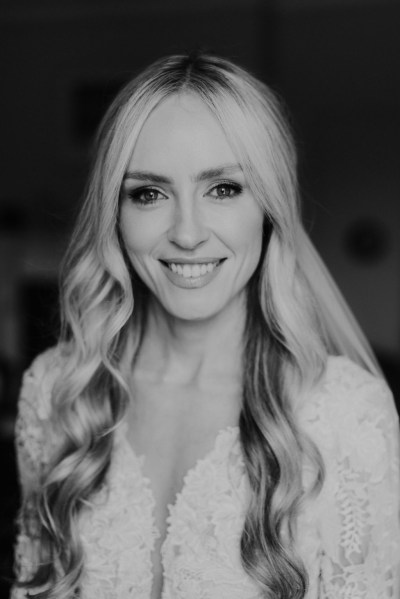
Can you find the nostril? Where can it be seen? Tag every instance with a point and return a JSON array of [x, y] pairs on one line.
[[188, 238]]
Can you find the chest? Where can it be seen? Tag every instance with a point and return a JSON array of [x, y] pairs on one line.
[[199, 555], [200, 547], [174, 428]]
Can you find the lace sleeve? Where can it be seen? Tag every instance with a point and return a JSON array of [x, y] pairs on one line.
[[360, 503], [32, 448]]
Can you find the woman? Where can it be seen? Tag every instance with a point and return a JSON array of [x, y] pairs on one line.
[[212, 423]]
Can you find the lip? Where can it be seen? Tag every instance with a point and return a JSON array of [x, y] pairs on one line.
[[179, 260], [191, 282]]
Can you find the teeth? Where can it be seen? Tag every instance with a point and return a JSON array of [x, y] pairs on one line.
[[195, 270], [192, 270]]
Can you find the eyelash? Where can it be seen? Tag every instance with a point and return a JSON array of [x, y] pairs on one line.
[[235, 188], [135, 195]]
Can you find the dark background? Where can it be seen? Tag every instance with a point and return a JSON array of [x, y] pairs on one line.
[[336, 63]]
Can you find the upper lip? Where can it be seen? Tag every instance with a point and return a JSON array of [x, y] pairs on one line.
[[190, 260]]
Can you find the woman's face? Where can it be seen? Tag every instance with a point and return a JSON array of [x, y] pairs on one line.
[[190, 224]]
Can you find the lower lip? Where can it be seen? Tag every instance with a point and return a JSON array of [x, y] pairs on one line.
[[191, 282]]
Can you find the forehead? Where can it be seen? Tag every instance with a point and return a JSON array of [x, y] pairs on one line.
[[181, 128]]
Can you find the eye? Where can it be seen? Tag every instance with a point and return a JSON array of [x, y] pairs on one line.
[[225, 190], [146, 195]]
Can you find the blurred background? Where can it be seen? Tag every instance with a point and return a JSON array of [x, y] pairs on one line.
[[336, 63]]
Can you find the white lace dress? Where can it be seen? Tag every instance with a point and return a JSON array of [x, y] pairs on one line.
[[348, 537]]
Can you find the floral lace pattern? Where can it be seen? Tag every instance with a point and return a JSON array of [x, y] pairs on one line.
[[348, 537]]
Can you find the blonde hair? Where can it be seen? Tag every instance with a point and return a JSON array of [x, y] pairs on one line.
[[295, 318]]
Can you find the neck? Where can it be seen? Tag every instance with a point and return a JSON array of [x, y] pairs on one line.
[[186, 352]]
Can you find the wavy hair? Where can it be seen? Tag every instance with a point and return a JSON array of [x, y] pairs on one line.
[[295, 317]]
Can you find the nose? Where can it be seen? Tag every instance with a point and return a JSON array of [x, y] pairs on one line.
[[187, 229]]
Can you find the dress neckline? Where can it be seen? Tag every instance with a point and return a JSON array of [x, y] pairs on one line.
[[224, 441], [222, 438]]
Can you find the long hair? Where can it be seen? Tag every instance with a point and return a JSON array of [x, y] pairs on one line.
[[295, 318]]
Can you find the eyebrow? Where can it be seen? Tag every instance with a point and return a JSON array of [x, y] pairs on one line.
[[206, 175]]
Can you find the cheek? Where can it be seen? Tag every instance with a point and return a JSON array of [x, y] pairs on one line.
[[135, 244], [249, 235], [137, 234], [134, 241]]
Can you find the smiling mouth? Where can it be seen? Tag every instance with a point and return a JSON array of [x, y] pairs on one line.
[[192, 271]]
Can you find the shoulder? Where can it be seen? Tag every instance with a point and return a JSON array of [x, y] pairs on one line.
[[351, 415], [343, 374], [39, 379], [347, 388], [33, 430], [38, 382], [352, 418]]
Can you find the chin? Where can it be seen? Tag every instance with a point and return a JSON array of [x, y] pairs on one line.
[[192, 315], [192, 311]]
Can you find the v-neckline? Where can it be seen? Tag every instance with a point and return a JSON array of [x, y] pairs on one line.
[[227, 431], [224, 441]]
